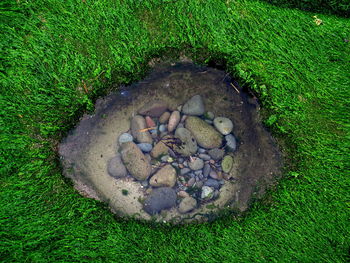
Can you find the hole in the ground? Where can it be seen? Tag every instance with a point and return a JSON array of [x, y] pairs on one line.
[[181, 145]]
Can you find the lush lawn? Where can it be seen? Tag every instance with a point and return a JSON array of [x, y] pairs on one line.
[[57, 56]]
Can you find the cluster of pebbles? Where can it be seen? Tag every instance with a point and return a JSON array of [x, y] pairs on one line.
[[181, 158]]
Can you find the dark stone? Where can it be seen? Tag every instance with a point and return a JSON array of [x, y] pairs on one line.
[[160, 199]]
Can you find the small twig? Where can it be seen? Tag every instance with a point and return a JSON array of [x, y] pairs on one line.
[[235, 88], [147, 129]]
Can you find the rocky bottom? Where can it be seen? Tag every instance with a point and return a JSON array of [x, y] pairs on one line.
[[181, 158], [165, 149]]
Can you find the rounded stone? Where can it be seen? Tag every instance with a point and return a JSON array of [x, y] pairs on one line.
[[204, 157], [227, 164], [166, 176], [187, 204], [182, 194], [116, 168], [135, 161], [160, 199], [159, 149], [188, 144], [194, 106], [191, 182], [206, 170], [209, 115], [196, 164], [206, 135], [212, 183], [231, 143], [125, 137], [207, 192], [216, 154], [145, 147], [162, 128], [184, 171], [173, 120], [149, 122], [138, 126], [153, 108], [164, 117], [223, 125]]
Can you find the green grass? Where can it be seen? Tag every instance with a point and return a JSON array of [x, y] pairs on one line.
[[54, 51]]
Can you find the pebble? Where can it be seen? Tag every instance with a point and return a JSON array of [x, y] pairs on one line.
[[116, 168], [153, 108], [182, 194], [185, 163], [231, 143], [209, 122], [173, 120], [198, 172], [181, 165], [199, 184], [204, 157], [223, 125], [227, 163], [166, 176], [194, 106], [201, 150], [144, 183], [164, 117], [162, 128], [216, 154], [187, 204], [180, 160], [188, 144], [213, 174], [138, 123], [145, 147], [180, 125], [216, 194], [206, 170], [196, 164], [207, 192], [212, 183], [175, 164], [184, 171], [149, 122], [160, 199], [206, 135], [209, 115], [135, 161], [125, 137], [191, 182], [183, 118]]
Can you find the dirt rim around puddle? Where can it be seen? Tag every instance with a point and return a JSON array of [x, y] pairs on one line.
[[85, 152]]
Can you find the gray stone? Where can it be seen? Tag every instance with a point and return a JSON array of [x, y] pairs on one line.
[[196, 164], [206, 170], [184, 171], [135, 161], [166, 176], [209, 115], [116, 168], [165, 117], [180, 125], [153, 108], [212, 183], [138, 123], [213, 174], [191, 182], [206, 135], [125, 137], [198, 172], [209, 122], [162, 128], [188, 144], [173, 120], [145, 147], [231, 143], [187, 204], [223, 125], [160, 199], [204, 157], [199, 184], [207, 192], [201, 150], [194, 106], [216, 154]]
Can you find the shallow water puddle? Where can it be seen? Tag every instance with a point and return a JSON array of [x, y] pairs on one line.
[[179, 146]]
